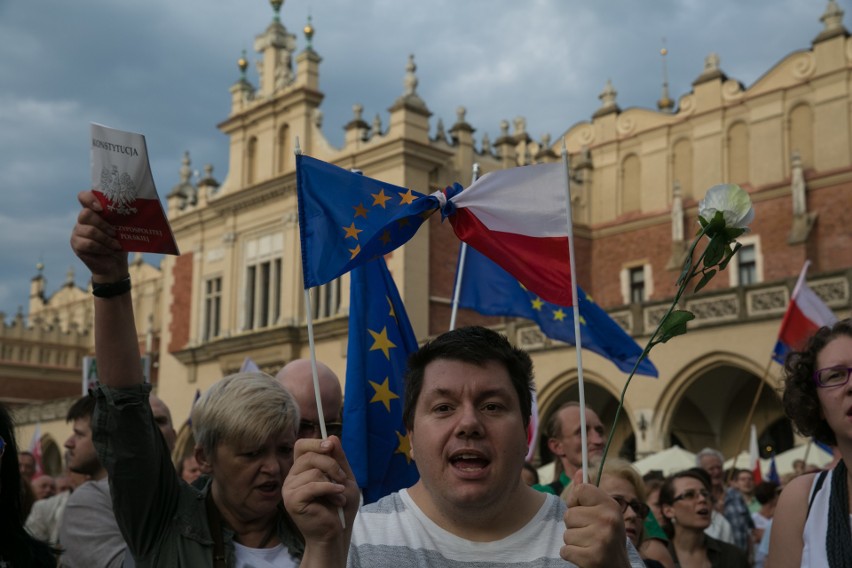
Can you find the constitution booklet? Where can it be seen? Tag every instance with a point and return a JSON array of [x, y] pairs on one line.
[[124, 185]]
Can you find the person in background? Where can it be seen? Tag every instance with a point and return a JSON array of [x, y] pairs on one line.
[[727, 501], [565, 442], [622, 482], [652, 489], [686, 503], [766, 493], [44, 486], [18, 549], [297, 378], [810, 526], [188, 469], [27, 463], [743, 481], [529, 474]]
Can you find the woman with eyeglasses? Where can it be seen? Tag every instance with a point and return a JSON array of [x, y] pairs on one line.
[[622, 482], [17, 547], [811, 524], [686, 506]]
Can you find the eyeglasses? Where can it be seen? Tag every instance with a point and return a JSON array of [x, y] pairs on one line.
[[308, 429], [692, 495], [832, 376], [641, 509]]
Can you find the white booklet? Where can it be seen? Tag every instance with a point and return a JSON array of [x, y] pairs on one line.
[[123, 183]]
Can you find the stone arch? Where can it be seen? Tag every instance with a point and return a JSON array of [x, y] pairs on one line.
[[800, 132], [682, 165], [707, 402], [51, 456], [601, 396], [738, 153], [631, 184]]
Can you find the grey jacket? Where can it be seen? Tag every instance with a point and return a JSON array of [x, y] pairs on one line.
[[163, 519]]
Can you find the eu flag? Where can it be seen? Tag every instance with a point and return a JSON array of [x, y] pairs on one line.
[[380, 340], [490, 290], [346, 219]]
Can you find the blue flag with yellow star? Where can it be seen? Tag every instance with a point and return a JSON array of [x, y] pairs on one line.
[[346, 219], [490, 290], [380, 340]]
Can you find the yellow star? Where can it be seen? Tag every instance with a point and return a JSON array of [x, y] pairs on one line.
[[360, 211], [407, 198], [404, 447], [380, 198], [589, 298], [382, 342], [537, 304], [383, 393], [390, 305], [352, 231], [402, 222], [582, 320], [385, 238], [559, 315], [355, 251], [428, 213]]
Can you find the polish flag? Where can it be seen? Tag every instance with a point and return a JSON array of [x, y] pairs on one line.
[[806, 313], [124, 185], [519, 219], [754, 456]]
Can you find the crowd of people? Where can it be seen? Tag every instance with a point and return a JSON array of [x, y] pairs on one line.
[[262, 488]]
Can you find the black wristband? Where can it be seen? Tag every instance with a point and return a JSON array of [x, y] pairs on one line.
[[111, 289]]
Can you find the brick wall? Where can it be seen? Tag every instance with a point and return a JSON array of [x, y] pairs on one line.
[[181, 296]]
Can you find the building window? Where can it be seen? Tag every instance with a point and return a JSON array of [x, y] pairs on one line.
[[262, 303], [637, 285], [747, 265], [212, 307], [746, 268], [326, 300]]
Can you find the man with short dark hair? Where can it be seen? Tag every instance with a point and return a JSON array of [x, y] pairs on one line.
[[467, 405]]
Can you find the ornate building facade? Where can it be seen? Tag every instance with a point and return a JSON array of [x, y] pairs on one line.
[[637, 177]]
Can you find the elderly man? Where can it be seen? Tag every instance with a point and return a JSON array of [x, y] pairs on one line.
[[565, 441], [728, 501], [466, 408], [297, 378]]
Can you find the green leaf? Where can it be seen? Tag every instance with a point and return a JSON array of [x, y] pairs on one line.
[[730, 255], [733, 233], [702, 222], [705, 279], [675, 324], [715, 251]]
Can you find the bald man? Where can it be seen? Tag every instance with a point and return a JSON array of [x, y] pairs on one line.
[[296, 377], [163, 418]]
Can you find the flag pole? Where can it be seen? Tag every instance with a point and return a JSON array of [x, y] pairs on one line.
[[460, 270], [763, 380], [576, 307], [297, 150]]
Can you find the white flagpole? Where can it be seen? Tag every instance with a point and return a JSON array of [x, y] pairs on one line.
[[460, 271], [801, 279], [576, 306], [297, 150]]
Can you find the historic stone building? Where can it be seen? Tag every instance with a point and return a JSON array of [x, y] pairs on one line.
[[637, 177]]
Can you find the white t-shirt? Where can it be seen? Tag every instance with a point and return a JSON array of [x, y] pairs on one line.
[[276, 557], [395, 533]]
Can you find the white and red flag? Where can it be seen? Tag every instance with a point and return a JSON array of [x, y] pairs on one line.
[[806, 313], [754, 456], [519, 219], [124, 185]]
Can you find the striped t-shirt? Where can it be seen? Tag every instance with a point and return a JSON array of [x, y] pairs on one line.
[[394, 533]]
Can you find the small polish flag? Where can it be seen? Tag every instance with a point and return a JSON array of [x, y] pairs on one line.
[[806, 313]]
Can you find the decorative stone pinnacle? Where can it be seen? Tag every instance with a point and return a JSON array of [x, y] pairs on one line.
[[608, 95], [185, 170], [276, 7], [410, 82], [309, 33], [832, 18]]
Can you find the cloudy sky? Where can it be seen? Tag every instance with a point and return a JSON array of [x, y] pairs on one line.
[[163, 68]]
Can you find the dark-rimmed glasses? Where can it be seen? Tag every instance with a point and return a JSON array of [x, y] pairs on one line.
[[832, 376], [692, 495], [641, 509], [308, 429]]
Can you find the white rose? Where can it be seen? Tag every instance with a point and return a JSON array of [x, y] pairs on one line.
[[732, 201]]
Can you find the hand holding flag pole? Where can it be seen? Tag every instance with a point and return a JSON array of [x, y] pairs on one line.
[[312, 346]]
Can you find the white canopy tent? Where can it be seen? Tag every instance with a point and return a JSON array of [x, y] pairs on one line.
[[669, 461]]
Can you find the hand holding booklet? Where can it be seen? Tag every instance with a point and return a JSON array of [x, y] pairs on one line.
[[123, 183]]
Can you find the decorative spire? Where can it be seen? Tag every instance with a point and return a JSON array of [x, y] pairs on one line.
[[242, 63], [410, 99], [40, 268], [410, 81], [665, 104], [712, 70], [486, 143], [185, 169], [276, 7], [69, 277], [440, 132], [608, 104], [832, 22], [377, 125], [309, 34]]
